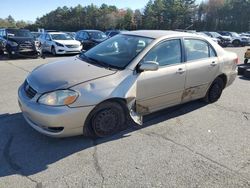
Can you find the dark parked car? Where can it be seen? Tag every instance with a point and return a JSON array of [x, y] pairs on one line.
[[17, 42], [224, 40], [237, 40], [111, 33], [90, 38]]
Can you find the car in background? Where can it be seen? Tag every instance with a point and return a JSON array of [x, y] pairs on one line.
[[245, 34], [59, 43], [131, 74], [224, 40], [237, 40], [205, 35], [111, 33], [90, 38], [17, 42]]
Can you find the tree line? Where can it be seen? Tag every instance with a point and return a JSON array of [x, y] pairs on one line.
[[232, 15]]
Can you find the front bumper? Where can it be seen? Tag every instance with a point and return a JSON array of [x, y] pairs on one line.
[[231, 77], [66, 50], [16, 51], [53, 121]]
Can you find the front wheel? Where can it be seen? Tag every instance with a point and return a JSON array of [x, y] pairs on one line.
[[1, 52], [236, 43], [245, 61], [108, 118], [215, 91], [53, 51]]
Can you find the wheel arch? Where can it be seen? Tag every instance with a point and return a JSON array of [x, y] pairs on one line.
[[87, 130], [224, 79]]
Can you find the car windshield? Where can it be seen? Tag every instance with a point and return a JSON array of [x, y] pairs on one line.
[[36, 35], [116, 52], [19, 33], [61, 36], [215, 34], [97, 35], [235, 34]]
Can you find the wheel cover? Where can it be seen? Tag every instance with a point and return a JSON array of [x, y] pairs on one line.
[[53, 51], [215, 92], [106, 122]]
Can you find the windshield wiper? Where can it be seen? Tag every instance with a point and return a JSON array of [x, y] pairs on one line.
[[97, 62]]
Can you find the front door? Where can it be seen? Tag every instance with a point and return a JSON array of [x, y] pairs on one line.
[[162, 88]]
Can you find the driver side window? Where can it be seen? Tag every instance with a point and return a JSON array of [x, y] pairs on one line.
[[166, 53]]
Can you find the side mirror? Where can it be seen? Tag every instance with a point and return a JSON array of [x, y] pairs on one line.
[[149, 66]]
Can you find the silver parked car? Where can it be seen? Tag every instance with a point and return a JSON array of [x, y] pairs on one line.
[[133, 73]]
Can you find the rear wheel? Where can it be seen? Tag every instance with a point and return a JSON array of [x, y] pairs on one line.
[[107, 119], [215, 90]]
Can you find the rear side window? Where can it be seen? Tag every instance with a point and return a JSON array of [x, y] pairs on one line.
[[198, 49], [166, 53]]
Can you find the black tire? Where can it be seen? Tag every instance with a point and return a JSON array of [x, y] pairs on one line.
[[247, 73], [1, 52], [53, 51], [245, 61], [10, 55], [241, 69], [106, 119], [215, 90], [236, 43]]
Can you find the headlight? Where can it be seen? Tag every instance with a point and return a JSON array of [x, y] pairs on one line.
[[59, 44], [59, 98], [37, 43], [12, 43]]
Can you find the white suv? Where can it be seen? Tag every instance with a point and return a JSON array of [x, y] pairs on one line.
[[59, 43]]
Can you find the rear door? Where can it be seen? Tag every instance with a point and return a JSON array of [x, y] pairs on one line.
[[202, 67], [162, 88]]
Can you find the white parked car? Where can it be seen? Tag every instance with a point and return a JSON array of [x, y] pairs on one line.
[[134, 73], [59, 43]]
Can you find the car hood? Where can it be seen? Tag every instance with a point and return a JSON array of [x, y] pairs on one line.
[[21, 39], [68, 42], [64, 74]]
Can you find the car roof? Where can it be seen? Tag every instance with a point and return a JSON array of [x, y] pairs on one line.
[[56, 33], [158, 33], [91, 30]]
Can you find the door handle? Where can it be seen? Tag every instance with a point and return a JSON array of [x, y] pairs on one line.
[[213, 64], [180, 71]]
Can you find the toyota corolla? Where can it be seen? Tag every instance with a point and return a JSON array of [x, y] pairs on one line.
[[129, 75]]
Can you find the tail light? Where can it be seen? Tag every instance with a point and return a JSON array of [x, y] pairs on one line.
[[236, 61]]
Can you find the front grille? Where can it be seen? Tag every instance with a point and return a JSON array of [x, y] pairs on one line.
[[26, 46], [72, 46], [29, 91]]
